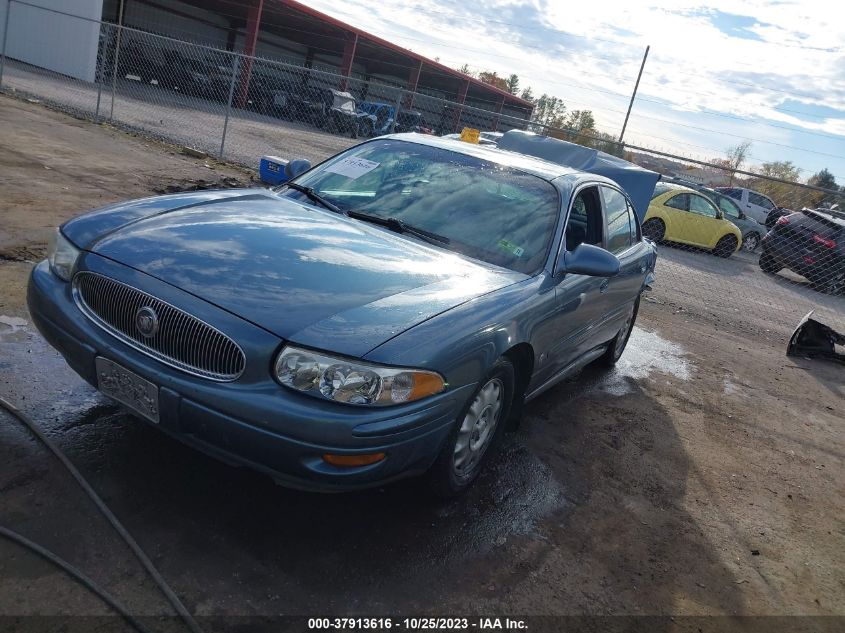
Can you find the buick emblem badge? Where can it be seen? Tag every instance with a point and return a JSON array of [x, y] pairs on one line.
[[146, 320]]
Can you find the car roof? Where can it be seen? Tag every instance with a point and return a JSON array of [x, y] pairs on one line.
[[667, 186], [537, 166]]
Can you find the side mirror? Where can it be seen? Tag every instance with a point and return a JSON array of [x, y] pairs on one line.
[[590, 260], [296, 167]]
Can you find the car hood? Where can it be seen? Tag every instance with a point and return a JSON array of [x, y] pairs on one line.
[[307, 275]]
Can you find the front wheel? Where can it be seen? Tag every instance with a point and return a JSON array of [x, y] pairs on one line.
[[620, 341], [726, 246], [475, 432], [751, 242]]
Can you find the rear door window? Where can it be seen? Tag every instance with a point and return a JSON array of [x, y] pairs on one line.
[[760, 201]]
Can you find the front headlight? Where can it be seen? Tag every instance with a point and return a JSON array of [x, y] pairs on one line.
[[62, 256], [353, 382]]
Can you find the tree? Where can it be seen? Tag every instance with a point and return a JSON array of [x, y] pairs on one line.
[[513, 84], [490, 77], [549, 111], [734, 159], [465, 70], [527, 94], [825, 180], [784, 194], [782, 169]]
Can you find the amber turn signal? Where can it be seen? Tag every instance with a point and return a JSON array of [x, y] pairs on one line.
[[353, 460]]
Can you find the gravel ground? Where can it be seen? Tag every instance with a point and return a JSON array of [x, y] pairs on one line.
[[703, 476], [177, 118]]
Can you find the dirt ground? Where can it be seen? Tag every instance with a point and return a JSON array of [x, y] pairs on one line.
[[703, 476]]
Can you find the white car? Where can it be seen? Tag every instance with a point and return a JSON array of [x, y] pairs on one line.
[[752, 203]]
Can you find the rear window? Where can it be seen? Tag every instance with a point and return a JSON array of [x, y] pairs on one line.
[[736, 194], [661, 188]]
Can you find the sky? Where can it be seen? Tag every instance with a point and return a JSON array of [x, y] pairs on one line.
[[719, 73]]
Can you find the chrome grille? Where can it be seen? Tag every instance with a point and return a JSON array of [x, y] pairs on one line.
[[181, 340]]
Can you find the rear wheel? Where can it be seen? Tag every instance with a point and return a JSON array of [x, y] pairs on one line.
[[475, 432], [832, 284], [726, 246], [654, 229], [768, 263], [620, 341]]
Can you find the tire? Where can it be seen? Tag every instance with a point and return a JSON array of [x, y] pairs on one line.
[[768, 264], [458, 464], [751, 242], [654, 229], [726, 246], [617, 346], [832, 284]]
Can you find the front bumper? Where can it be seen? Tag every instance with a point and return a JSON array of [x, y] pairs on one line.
[[252, 421]]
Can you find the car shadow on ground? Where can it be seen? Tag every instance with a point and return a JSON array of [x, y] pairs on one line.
[[737, 264]]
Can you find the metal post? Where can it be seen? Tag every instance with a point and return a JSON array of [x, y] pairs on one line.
[[5, 39], [99, 78], [235, 64], [116, 58], [396, 111], [636, 85]]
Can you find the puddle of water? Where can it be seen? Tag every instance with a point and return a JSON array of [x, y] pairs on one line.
[[647, 352], [12, 328]]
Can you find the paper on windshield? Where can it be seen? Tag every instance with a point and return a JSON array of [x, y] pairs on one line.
[[352, 167]]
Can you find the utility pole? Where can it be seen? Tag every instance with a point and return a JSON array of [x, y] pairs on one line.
[[633, 96]]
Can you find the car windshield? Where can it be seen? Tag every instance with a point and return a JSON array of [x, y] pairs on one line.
[[489, 212]]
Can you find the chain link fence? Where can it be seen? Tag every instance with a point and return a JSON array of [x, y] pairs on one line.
[[738, 246]]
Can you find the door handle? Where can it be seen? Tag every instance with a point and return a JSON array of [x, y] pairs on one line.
[[604, 286]]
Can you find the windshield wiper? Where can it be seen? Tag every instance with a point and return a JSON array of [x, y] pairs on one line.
[[313, 195], [395, 224]]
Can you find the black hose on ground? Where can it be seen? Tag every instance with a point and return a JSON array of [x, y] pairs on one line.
[[78, 575], [104, 509]]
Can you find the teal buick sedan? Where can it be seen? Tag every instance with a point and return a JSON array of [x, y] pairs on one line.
[[381, 315]]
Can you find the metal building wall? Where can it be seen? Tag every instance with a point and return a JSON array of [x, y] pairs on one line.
[[58, 42]]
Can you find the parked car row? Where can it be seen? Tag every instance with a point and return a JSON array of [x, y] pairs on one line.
[[339, 111]]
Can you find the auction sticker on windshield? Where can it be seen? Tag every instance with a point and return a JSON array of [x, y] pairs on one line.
[[352, 167]]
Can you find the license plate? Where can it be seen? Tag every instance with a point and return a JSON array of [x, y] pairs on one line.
[[127, 388]]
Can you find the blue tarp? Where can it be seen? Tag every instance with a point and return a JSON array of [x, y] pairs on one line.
[[636, 181]]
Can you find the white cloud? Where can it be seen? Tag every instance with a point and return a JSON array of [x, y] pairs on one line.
[[792, 58]]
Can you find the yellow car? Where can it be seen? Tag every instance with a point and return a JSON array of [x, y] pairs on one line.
[[680, 214]]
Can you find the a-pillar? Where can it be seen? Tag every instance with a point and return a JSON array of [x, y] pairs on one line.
[[253, 23]]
